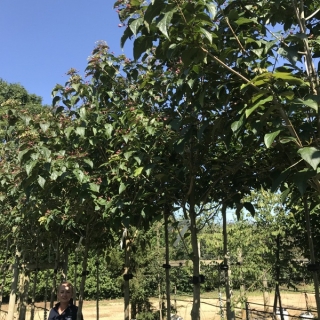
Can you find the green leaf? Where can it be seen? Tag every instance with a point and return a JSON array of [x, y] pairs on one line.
[[284, 195], [212, 9], [55, 100], [22, 153], [164, 23], [207, 34], [79, 175], [153, 10], [127, 34], [138, 171], [258, 52], [44, 126], [140, 45], [135, 24], [258, 104], [68, 131], [89, 162], [289, 77], [81, 131], [279, 179], [30, 166], [189, 54], [82, 112], [311, 155], [76, 86], [94, 187], [101, 201], [290, 54], [244, 20], [309, 102], [109, 130], [250, 208], [301, 179], [288, 139], [236, 125], [122, 187], [41, 181], [233, 15], [45, 151], [54, 175], [138, 159], [269, 138]]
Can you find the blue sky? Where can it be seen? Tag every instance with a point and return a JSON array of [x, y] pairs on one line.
[[42, 39]]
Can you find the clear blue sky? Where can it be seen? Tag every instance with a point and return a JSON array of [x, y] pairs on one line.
[[40, 40]]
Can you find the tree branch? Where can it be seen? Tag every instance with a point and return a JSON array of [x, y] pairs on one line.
[[312, 15]]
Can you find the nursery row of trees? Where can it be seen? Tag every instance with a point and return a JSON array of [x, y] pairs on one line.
[[220, 100], [253, 262]]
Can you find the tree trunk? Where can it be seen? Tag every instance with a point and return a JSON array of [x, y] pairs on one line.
[[195, 312], [312, 254], [98, 290], [4, 270], [159, 282], [46, 295], [65, 263], [84, 273], [167, 264], [266, 298], [35, 280], [277, 296], [14, 285], [75, 284], [24, 286], [54, 279], [230, 312], [126, 284]]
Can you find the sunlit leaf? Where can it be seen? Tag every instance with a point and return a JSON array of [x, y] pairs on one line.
[[41, 181], [164, 23], [269, 138], [311, 155], [44, 126], [138, 171], [122, 187]]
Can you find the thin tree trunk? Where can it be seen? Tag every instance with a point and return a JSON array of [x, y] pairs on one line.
[[230, 313], [46, 295], [14, 285], [65, 263], [35, 280], [166, 215], [312, 254], [277, 296], [126, 285], [4, 270], [195, 312], [159, 282], [75, 285], [84, 273], [98, 290], [266, 298], [54, 279], [24, 286], [160, 299]]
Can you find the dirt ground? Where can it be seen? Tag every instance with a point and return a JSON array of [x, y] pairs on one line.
[[295, 303]]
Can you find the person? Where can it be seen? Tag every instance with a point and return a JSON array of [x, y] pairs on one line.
[[64, 309]]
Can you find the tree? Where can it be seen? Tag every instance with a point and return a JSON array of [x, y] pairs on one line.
[[266, 99]]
